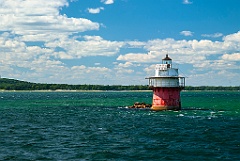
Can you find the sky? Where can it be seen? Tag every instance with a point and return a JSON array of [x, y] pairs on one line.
[[119, 42]]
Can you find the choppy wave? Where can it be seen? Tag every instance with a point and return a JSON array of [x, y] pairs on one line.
[[98, 126]]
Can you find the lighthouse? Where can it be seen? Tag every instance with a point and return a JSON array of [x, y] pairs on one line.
[[166, 86]]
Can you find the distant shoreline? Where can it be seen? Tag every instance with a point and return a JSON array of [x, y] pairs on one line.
[[86, 91], [75, 90], [17, 85]]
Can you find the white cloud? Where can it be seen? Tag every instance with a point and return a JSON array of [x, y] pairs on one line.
[[214, 78], [233, 37], [124, 71], [107, 1], [89, 75], [45, 60], [81, 67], [124, 68], [95, 10], [138, 57], [194, 52], [49, 33], [135, 44], [186, 2], [186, 33], [150, 69], [231, 57], [35, 38], [215, 35], [89, 46], [98, 69], [34, 19], [23, 22], [125, 65], [86, 69]]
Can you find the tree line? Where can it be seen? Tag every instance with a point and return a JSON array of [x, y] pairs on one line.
[[13, 84]]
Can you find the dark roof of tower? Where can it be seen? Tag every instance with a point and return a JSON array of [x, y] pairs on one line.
[[167, 58]]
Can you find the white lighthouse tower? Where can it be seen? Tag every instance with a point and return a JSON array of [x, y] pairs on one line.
[[166, 86]]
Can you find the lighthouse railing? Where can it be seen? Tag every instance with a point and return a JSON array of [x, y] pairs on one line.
[[182, 82], [176, 82]]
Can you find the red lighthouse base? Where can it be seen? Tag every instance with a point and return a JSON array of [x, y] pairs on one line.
[[166, 98]]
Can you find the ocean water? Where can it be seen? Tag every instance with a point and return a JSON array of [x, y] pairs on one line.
[[98, 126]]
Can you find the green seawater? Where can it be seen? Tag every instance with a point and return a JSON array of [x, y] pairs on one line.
[[99, 126]]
